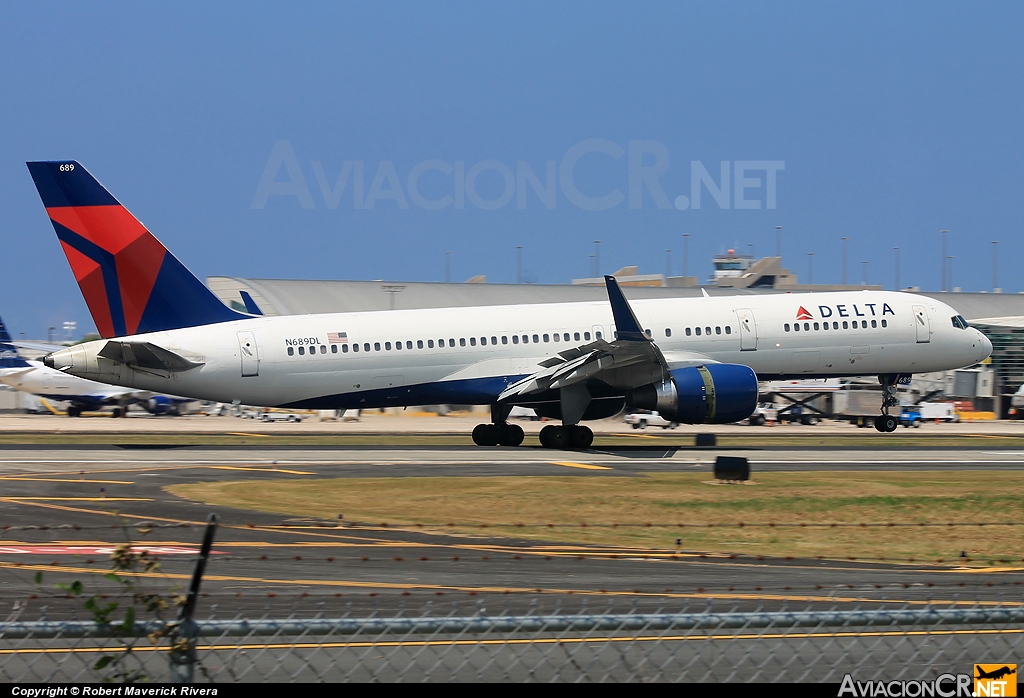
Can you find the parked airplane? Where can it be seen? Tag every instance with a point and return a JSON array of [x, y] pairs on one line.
[[692, 360], [35, 378]]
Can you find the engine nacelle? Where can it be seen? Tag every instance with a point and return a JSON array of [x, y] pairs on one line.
[[160, 404], [712, 394]]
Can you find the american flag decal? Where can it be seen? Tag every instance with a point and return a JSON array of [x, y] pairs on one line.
[[337, 337]]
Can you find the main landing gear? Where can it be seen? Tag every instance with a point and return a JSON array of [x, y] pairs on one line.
[[566, 436], [888, 423], [503, 434]]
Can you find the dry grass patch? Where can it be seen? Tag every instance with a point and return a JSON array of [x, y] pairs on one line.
[[710, 513]]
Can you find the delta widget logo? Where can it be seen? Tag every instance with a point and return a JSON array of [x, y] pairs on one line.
[[803, 314]]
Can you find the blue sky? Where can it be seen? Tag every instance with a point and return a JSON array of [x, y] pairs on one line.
[[892, 121]]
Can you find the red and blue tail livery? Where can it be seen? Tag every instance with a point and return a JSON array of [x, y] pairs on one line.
[[131, 283]]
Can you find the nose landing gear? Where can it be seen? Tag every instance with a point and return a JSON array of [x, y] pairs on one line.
[[888, 423]]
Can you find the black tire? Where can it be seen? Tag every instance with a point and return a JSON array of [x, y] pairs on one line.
[[889, 424], [116, 413], [636, 425], [485, 435], [74, 411], [553, 436], [511, 435], [581, 437], [545, 436], [756, 420]]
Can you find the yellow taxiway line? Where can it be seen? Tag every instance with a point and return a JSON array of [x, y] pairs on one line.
[[583, 466]]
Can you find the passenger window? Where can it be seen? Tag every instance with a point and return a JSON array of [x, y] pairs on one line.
[[815, 325], [566, 336], [472, 342], [807, 327], [483, 341], [824, 325], [786, 327], [576, 336], [408, 345], [728, 329], [668, 332], [846, 325], [419, 343], [344, 348], [462, 341], [334, 348], [387, 346], [688, 332], [536, 339], [504, 339], [515, 339], [398, 345], [556, 337], [302, 351], [355, 347], [697, 331], [547, 338], [494, 341], [451, 342], [376, 346], [366, 346], [835, 325], [874, 323], [291, 351], [707, 330], [796, 326], [648, 333], [597, 335], [864, 324], [586, 336], [718, 330]]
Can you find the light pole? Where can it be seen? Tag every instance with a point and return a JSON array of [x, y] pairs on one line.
[[668, 264], [519, 264], [844, 259], [810, 267], [750, 249], [49, 334], [686, 253], [995, 266], [897, 267], [864, 273], [949, 271], [597, 258], [447, 267], [778, 241], [944, 258]]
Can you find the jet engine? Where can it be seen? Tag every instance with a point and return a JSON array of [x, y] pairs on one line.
[[711, 394], [160, 404]]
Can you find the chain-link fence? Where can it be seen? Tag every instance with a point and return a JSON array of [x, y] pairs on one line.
[[437, 642]]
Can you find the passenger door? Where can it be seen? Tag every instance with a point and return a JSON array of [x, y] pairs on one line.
[[250, 354], [923, 324], [748, 329]]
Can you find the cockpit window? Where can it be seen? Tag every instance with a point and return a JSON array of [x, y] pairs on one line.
[[959, 322]]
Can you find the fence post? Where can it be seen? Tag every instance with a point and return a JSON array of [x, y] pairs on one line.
[[183, 652]]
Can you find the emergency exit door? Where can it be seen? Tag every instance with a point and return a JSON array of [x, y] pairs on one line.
[[250, 354], [923, 324], [748, 329]]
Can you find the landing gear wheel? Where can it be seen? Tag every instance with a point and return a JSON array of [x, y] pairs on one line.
[[116, 413], [886, 423], [581, 437], [74, 412], [511, 435], [553, 436], [486, 435]]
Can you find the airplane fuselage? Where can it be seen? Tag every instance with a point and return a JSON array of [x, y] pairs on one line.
[[469, 355]]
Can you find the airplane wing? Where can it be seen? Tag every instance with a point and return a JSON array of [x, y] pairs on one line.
[[39, 346], [630, 360]]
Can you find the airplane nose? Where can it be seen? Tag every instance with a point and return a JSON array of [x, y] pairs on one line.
[[984, 346]]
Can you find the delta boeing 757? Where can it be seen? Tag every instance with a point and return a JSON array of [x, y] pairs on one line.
[[695, 360]]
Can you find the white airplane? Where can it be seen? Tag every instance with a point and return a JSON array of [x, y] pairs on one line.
[[692, 360], [82, 394]]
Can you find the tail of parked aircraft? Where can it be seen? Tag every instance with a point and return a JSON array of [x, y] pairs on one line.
[[131, 282], [9, 356]]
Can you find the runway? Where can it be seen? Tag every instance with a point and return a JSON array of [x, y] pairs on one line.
[[58, 505]]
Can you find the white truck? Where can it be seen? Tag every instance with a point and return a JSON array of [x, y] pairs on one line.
[[942, 411], [643, 419]]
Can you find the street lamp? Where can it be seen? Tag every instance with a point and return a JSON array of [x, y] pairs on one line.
[[597, 258], [944, 263], [810, 267], [949, 271], [668, 264], [864, 274], [995, 266], [778, 241], [844, 259], [686, 253]]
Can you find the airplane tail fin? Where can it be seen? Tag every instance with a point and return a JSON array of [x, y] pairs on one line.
[[9, 356], [131, 282]]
